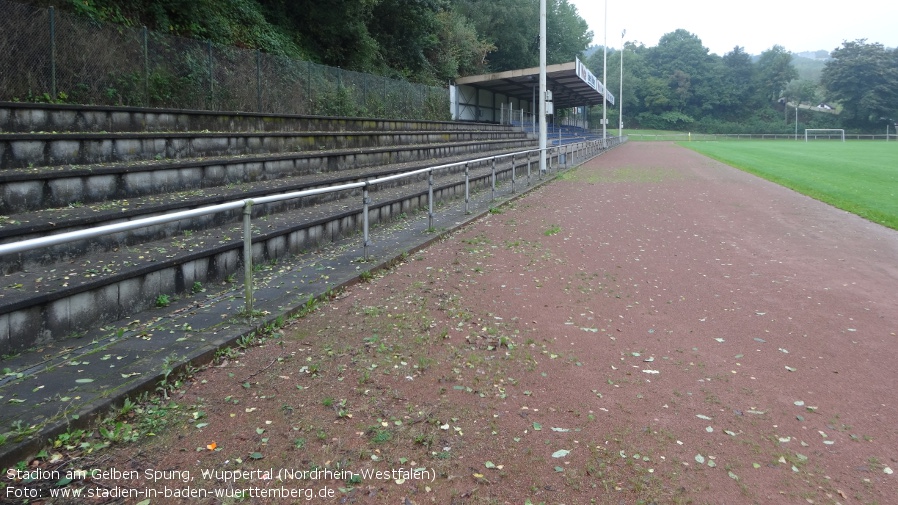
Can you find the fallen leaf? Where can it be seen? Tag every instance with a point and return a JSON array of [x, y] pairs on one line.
[[560, 453]]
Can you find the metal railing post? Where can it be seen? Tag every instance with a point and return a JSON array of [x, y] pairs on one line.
[[528, 168], [467, 189], [430, 200], [493, 179], [248, 257], [365, 202], [541, 168], [514, 170]]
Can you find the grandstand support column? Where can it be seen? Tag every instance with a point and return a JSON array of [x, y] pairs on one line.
[[543, 128], [366, 201], [248, 257]]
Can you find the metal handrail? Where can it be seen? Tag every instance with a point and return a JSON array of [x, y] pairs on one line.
[[247, 203]]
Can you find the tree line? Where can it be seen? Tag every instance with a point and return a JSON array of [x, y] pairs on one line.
[[676, 84], [679, 85]]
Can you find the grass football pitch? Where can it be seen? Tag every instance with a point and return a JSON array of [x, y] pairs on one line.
[[860, 177]]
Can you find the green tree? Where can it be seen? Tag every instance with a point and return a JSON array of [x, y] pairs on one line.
[[864, 79], [737, 78], [682, 60], [801, 91], [774, 71], [512, 26], [568, 35], [461, 50], [333, 33], [406, 32]]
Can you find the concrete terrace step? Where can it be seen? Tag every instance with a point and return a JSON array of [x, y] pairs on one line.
[[18, 117], [25, 150], [38, 223], [26, 189], [69, 297], [66, 168]]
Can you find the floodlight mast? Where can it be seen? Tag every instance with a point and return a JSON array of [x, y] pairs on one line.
[[620, 102], [605, 78], [543, 128]]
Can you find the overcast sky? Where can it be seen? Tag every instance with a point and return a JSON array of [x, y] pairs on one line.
[[755, 25]]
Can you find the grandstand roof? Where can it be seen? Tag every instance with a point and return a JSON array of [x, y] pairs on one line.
[[568, 88]]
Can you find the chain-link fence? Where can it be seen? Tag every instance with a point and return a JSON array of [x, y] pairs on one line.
[[52, 56]]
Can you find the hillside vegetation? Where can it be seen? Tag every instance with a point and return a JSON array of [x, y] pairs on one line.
[[676, 84], [426, 41]]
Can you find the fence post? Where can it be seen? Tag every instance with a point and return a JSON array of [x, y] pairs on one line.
[[259, 80], [248, 257], [53, 53], [146, 66], [211, 75]]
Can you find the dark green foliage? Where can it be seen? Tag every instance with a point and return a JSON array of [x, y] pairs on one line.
[[513, 27], [775, 71], [863, 78], [426, 41], [676, 84], [240, 23]]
